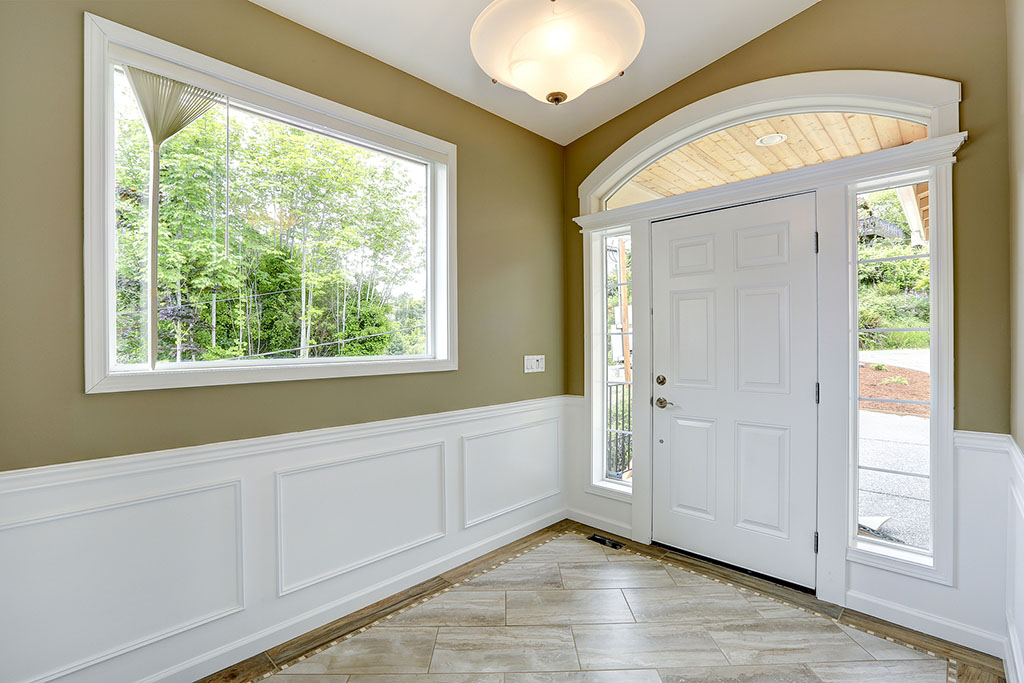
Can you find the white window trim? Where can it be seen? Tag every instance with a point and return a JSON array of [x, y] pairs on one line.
[[105, 40], [927, 100], [936, 566], [595, 293]]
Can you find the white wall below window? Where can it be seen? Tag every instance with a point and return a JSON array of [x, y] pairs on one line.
[[972, 611], [169, 566]]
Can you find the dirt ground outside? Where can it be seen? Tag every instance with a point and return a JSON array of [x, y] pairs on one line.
[[891, 382]]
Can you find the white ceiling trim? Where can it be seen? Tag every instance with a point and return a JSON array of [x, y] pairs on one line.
[[433, 45]]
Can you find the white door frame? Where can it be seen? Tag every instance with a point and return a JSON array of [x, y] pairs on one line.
[[931, 101]]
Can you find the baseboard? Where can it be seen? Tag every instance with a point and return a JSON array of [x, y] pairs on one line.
[[599, 522], [947, 629]]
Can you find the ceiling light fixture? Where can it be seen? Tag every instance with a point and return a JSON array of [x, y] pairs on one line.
[[771, 139], [555, 50]]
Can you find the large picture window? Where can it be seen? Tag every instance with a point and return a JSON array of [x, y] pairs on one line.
[[252, 239]]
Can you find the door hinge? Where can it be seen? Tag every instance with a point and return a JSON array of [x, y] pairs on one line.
[[815, 541], [817, 392], [815, 241]]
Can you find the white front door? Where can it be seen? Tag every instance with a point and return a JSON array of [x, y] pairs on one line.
[[735, 421]]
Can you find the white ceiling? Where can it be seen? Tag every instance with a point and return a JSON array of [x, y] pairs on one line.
[[430, 43]]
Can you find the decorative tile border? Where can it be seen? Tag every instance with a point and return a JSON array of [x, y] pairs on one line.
[[562, 530]]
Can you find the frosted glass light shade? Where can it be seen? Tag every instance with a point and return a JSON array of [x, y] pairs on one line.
[[555, 50]]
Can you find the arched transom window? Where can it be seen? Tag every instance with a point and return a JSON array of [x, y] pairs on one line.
[[763, 147]]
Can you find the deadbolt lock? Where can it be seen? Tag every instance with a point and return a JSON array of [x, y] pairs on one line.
[[660, 379]]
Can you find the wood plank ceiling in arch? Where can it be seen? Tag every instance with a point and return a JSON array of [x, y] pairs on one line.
[[733, 154]]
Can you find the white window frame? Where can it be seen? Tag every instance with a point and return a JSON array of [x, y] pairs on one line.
[[106, 41], [936, 566], [596, 295]]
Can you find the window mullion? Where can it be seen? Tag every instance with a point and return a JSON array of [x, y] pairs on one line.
[[154, 245]]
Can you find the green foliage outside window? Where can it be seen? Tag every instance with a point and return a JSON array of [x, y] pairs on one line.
[[275, 242]]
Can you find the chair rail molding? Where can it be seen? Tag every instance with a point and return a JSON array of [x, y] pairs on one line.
[[221, 551]]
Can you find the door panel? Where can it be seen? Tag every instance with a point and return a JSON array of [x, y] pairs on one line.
[[693, 475], [735, 332]]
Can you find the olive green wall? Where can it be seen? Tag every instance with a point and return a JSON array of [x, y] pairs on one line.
[[962, 41], [515, 188], [1015, 50], [509, 196]]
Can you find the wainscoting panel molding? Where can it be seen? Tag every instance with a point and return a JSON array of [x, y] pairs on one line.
[[183, 569], [508, 469], [369, 498], [171, 565]]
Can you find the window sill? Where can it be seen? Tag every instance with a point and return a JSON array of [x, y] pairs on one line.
[[897, 560], [613, 490], [181, 377]]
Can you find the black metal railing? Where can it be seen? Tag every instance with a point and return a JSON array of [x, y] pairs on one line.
[[619, 429]]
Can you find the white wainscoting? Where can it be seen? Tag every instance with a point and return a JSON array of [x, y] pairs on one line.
[[510, 468], [972, 611], [168, 566], [1013, 660]]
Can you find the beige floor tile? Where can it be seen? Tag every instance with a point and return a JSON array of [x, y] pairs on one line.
[[880, 648], [378, 650], [640, 574], [684, 577], [783, 641], [287, 677], [425, 678], [496, 648], [910, 671], [516, 576], [776, 673], [769, 609], [605, 606], [689, 604], [614, 555], [634, 676], [645, 646], [456, 608], [566, 549]]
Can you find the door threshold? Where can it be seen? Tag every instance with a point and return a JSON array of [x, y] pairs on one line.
[[737, 568]]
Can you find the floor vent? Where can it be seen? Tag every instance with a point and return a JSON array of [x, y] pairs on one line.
[[604, 541]]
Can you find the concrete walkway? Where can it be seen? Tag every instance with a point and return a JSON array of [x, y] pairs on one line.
[[912, 359], [896, 442]]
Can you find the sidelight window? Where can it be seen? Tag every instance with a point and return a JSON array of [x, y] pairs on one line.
[[894, 371], [618, 379]]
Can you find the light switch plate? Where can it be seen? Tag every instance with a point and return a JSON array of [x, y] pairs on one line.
[[533, 363]]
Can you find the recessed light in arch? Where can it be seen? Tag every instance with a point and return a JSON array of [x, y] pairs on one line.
[[771, 139]]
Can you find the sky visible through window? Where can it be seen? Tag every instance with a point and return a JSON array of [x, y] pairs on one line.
[[275, 242]]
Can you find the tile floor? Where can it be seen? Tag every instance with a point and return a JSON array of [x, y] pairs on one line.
[[573, 611]]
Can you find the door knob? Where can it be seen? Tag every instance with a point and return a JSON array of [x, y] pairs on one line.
[[662, 403]]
